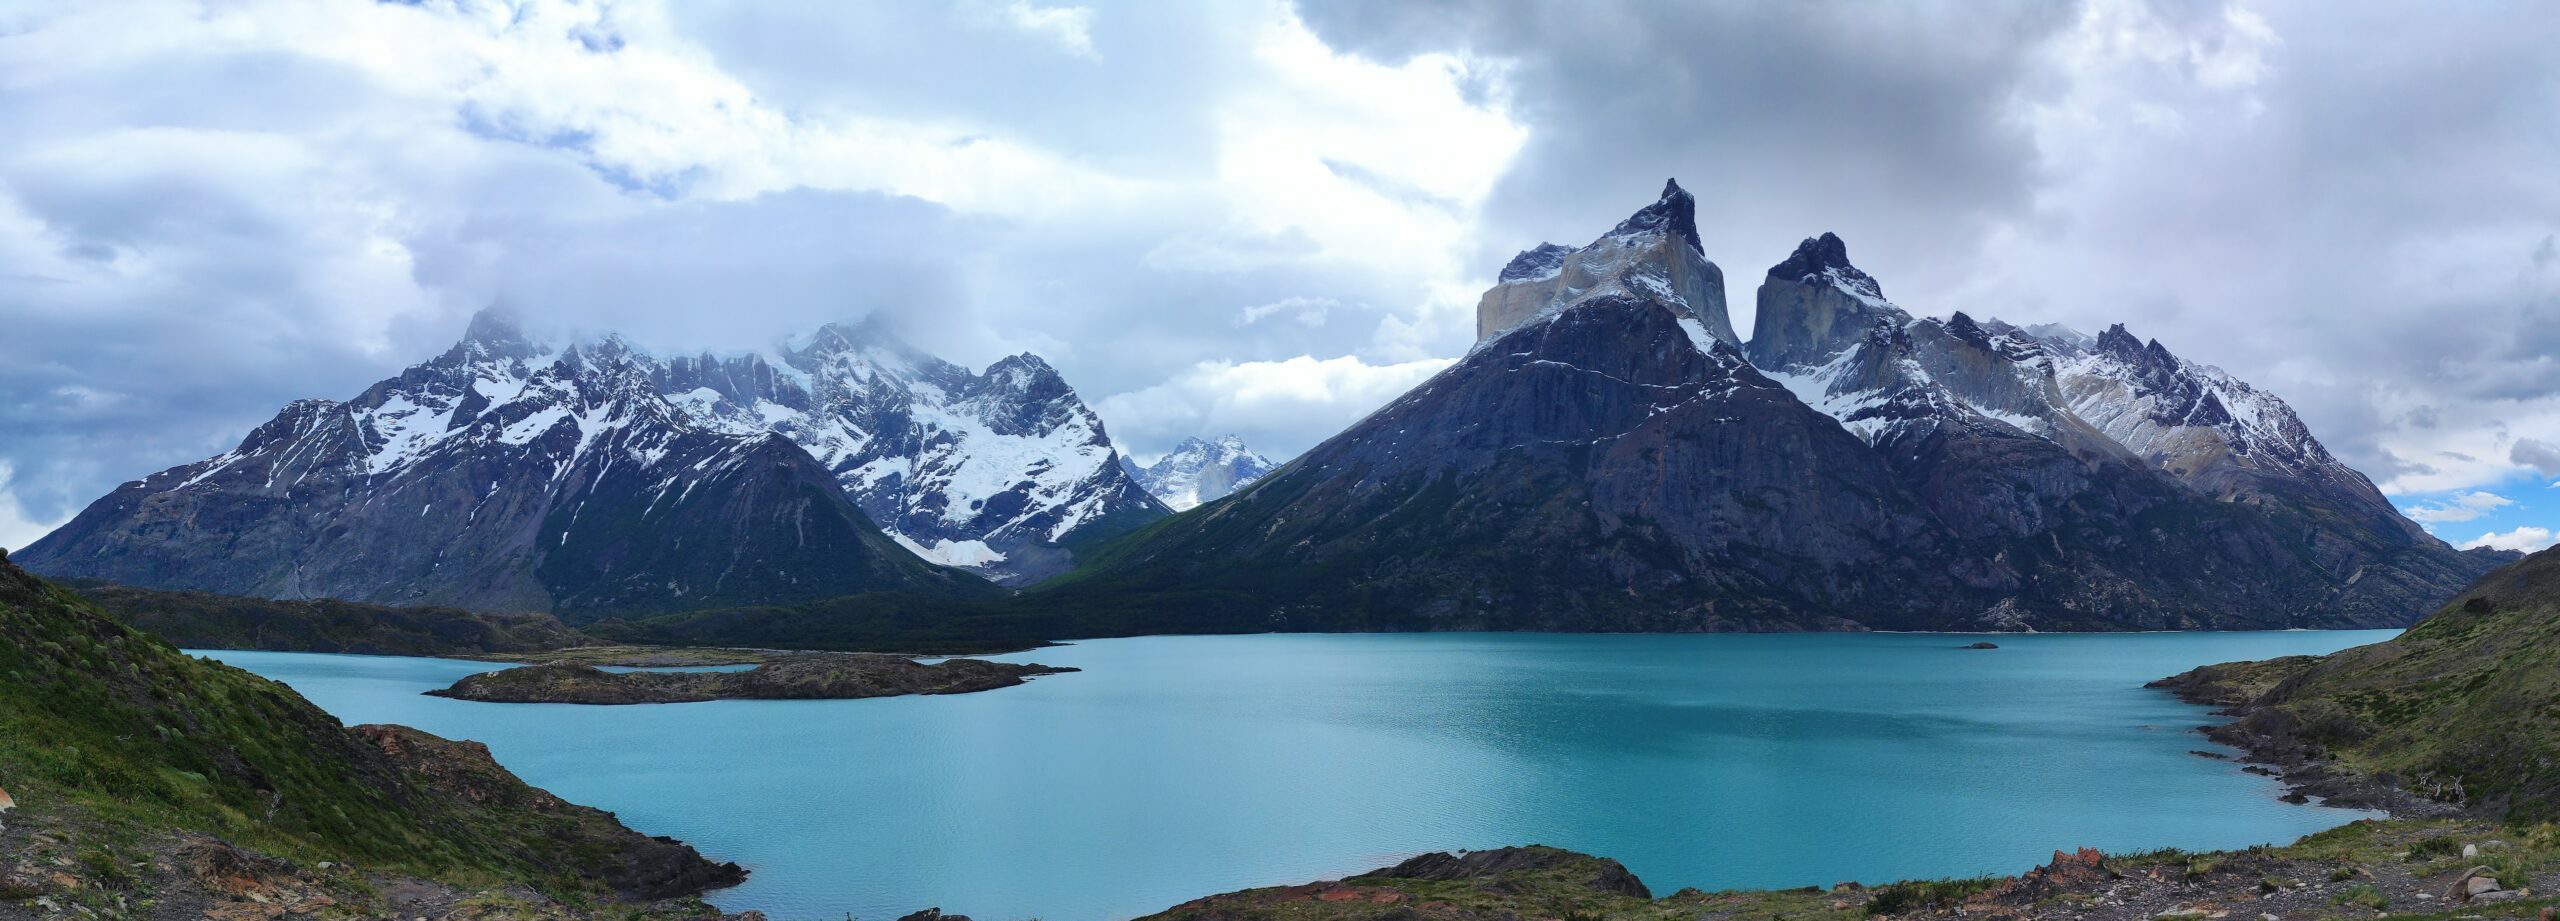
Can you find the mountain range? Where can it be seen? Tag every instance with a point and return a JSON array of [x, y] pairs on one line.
[[1612, 456], [508, 474]]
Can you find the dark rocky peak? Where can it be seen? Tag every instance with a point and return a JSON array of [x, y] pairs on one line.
[[1025, 374], [2151, 358], [495, 333], [741, 379], [1825, 259], [1676, 212], [2117, 342], [1543, 261], [1965, 329]]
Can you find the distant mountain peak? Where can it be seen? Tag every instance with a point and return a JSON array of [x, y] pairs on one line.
[[1676, 213], [1198, 471]]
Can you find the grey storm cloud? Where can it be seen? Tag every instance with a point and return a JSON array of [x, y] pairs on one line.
[[1242, 216], [2542, 456], [1875, 121]]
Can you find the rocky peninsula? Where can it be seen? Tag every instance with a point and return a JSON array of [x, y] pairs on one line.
[[813, 676]]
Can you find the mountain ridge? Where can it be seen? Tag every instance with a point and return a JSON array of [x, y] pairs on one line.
[[1978, 495]]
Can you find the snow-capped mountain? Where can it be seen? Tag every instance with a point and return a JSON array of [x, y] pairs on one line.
[[500, 475], [996, 472], [1197, 471], [2134, 414], [1609, 457], [2198, 422]]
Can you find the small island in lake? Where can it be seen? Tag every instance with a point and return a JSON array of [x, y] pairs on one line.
[[799, 677]]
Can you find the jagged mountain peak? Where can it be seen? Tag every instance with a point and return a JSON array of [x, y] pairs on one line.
[[499, 329], [1825, 259], [2115, 340], [1675, 212], [1653, 254]]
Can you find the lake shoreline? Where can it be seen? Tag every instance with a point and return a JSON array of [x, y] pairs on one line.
[[2270, 741]]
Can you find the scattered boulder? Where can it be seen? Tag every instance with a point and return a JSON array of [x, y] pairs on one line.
[[1986, 644], [2472, 884]]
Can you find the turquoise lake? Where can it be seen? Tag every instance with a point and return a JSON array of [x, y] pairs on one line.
[[1176, 767]]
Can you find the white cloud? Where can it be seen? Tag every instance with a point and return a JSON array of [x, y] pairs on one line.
[[1305, 311], [2463, 507], [1293, 403], [17, 529], [275, 199], [1070, 26], [2525, 538]]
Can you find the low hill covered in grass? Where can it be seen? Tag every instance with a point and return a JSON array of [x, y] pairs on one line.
[[145, 777], [2464, 708]]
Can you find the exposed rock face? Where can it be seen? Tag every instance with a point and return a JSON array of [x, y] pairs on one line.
[[1604, 875], [499, 476], [1654, 253], [1608, 459], [993, 472], [803, 677], [1197, 471]]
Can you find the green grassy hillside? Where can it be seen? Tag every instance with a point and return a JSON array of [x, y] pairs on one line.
[[110, 738], [2464, 707]]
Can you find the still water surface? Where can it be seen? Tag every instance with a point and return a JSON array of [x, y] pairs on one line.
[[1175, 767]]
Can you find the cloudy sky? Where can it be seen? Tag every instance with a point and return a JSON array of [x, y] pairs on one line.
[[1261, 217]]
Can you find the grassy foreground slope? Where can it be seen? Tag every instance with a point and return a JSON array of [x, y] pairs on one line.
[[146, 779], [2463, 708]]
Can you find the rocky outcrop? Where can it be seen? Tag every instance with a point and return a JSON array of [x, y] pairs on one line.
[[1598, 874], [2401, 867], [641, 869], [799, 677]]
